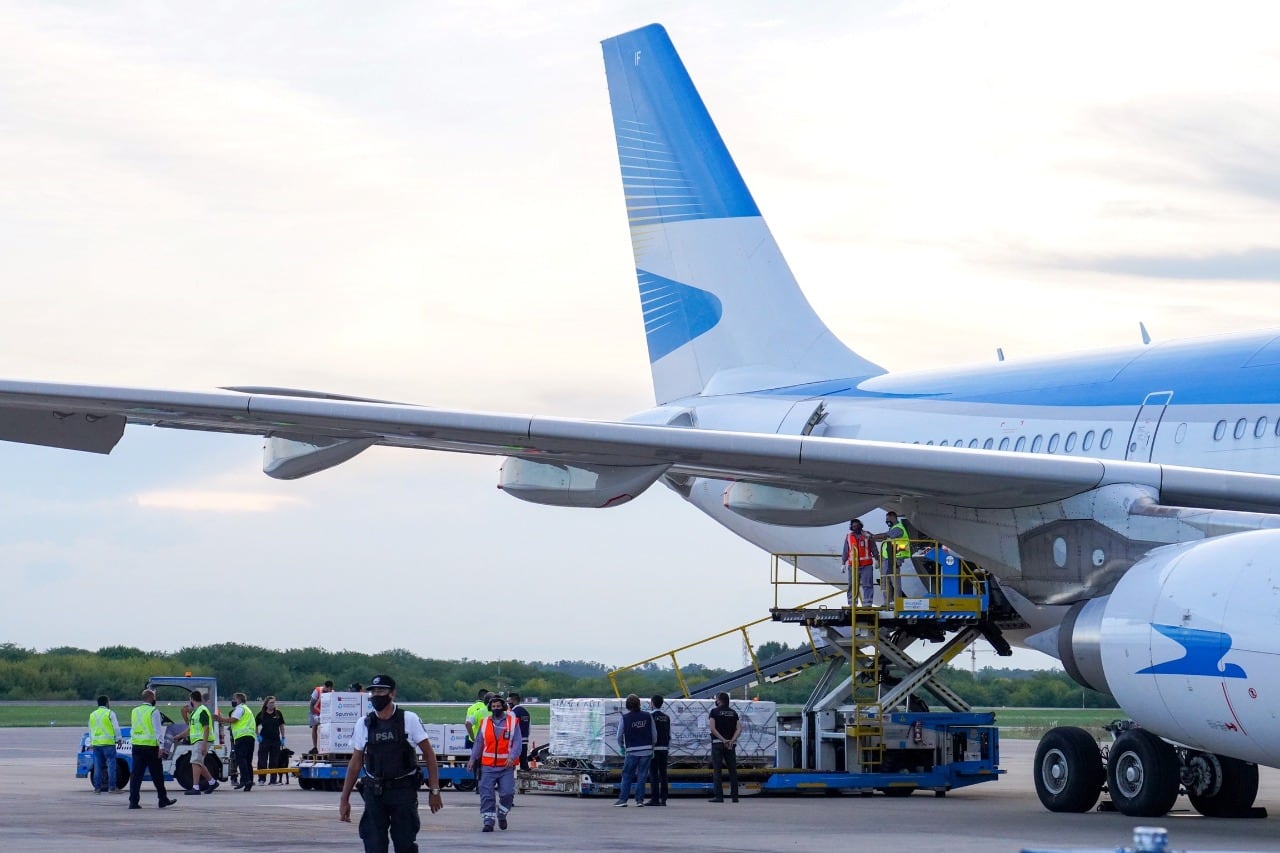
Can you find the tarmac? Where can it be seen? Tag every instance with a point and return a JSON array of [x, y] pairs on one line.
[[43, 806]]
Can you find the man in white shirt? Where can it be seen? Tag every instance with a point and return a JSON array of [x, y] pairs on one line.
[[382, 745]]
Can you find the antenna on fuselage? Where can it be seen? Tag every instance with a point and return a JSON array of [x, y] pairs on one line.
[[999, 353], [1146, 338]]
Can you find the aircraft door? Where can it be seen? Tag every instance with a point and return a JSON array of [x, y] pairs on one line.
[[1142, 439]]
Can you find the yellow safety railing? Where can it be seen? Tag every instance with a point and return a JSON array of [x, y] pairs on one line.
[[746, 639]]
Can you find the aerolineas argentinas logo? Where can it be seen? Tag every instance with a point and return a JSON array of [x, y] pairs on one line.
[[1204, 653]]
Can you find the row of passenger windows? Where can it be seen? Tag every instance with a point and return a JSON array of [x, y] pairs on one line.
[[1068, 444], [1242, 426]]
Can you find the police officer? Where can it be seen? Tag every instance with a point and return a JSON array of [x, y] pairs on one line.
[[145, 736], [390, 791]]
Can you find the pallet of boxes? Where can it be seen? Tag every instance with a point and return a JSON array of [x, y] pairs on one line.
[[584, 758]]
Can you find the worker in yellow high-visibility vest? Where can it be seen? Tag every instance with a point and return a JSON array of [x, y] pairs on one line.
[[244, 734], [104, 737], [895, 549], [145, 735]]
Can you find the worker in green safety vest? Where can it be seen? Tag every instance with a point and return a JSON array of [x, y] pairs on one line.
[[145, 735], [104, 737], [895, 548], [200, 735], [244, 734]]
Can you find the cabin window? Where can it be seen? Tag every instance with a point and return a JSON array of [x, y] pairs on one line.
[[1053, 443], [1021, 445], [1004, 443], [1071, 443], [1219, 430], [988, 444], [1261, 429], [929, 442], [1240, 427], [1106, 439], [1036, 442], [973, 443], [943, 443], [1088, 441]]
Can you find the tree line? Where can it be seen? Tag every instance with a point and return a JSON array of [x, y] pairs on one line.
[[119, 672]]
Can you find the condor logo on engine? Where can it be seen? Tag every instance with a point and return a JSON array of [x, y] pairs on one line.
[[1204, 653]]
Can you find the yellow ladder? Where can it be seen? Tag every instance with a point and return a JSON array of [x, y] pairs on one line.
[[867, 726]]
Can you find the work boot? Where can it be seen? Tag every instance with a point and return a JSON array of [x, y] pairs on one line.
[[134, 806], [168, 802], [502, 821], [193, 792], [488, 827]]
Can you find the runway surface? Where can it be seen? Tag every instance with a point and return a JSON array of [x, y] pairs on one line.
[[46, 808]]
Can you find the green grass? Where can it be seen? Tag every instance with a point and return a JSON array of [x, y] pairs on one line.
[[1034, 722], [295, 714]]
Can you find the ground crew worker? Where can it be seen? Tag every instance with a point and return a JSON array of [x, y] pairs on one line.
[[495, 753], [658, 783], [145, 736], [200, 735], [382, 744], [104, 737], [859, 558], [244, 731], [726, 727], [476, 713], [327, 687], [895, 549], [521, 713]]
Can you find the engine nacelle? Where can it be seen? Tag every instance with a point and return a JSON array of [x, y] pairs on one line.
[[795, 507], [1188, 643], [560, 484]]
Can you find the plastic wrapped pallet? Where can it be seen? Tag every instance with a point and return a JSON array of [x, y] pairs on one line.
[[587, 729]]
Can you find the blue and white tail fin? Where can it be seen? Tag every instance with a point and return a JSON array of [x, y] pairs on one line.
[[722, 311]]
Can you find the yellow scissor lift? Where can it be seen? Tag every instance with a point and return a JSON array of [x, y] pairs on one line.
[[861, 728]]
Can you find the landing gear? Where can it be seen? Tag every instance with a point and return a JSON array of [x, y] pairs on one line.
[[1068, 770], [1142, 774], [1219, 786]]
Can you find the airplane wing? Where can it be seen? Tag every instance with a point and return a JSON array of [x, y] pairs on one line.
[[92, 418]]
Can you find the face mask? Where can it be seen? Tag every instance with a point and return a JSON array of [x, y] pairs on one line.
[[379, 703], [498, 713], [234, 703]]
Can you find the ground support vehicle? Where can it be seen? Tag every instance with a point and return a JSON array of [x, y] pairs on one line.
[[327, 772], [175, 757]]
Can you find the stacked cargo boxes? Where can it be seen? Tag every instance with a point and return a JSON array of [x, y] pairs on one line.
[[587, 729], [340, 713]]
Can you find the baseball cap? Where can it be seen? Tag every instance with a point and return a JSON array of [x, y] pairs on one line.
[[383, 681]]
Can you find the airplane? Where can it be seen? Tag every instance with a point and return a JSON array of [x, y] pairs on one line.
[[1126, 500]]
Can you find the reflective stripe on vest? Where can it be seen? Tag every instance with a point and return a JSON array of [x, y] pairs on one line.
[[244, 727], [861, 547], [143, 733], [100, 731], [497, 750], [205, 729]]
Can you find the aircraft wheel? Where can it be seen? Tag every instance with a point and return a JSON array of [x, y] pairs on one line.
[[1220, 786], [1142, 774], [1068, 770]]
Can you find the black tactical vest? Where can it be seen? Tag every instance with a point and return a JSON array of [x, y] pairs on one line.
[[388, 753]]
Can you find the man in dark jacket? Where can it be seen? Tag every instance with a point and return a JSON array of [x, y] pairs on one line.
[[661, 749]]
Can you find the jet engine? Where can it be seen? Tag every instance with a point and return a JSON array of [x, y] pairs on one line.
[[1188, 643]]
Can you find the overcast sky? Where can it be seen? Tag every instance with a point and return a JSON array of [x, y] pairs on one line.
[[420, 201]]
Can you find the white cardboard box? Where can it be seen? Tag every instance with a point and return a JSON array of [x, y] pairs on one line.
[[343, 707], [455, 739], [435, 734], [334, 737]]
